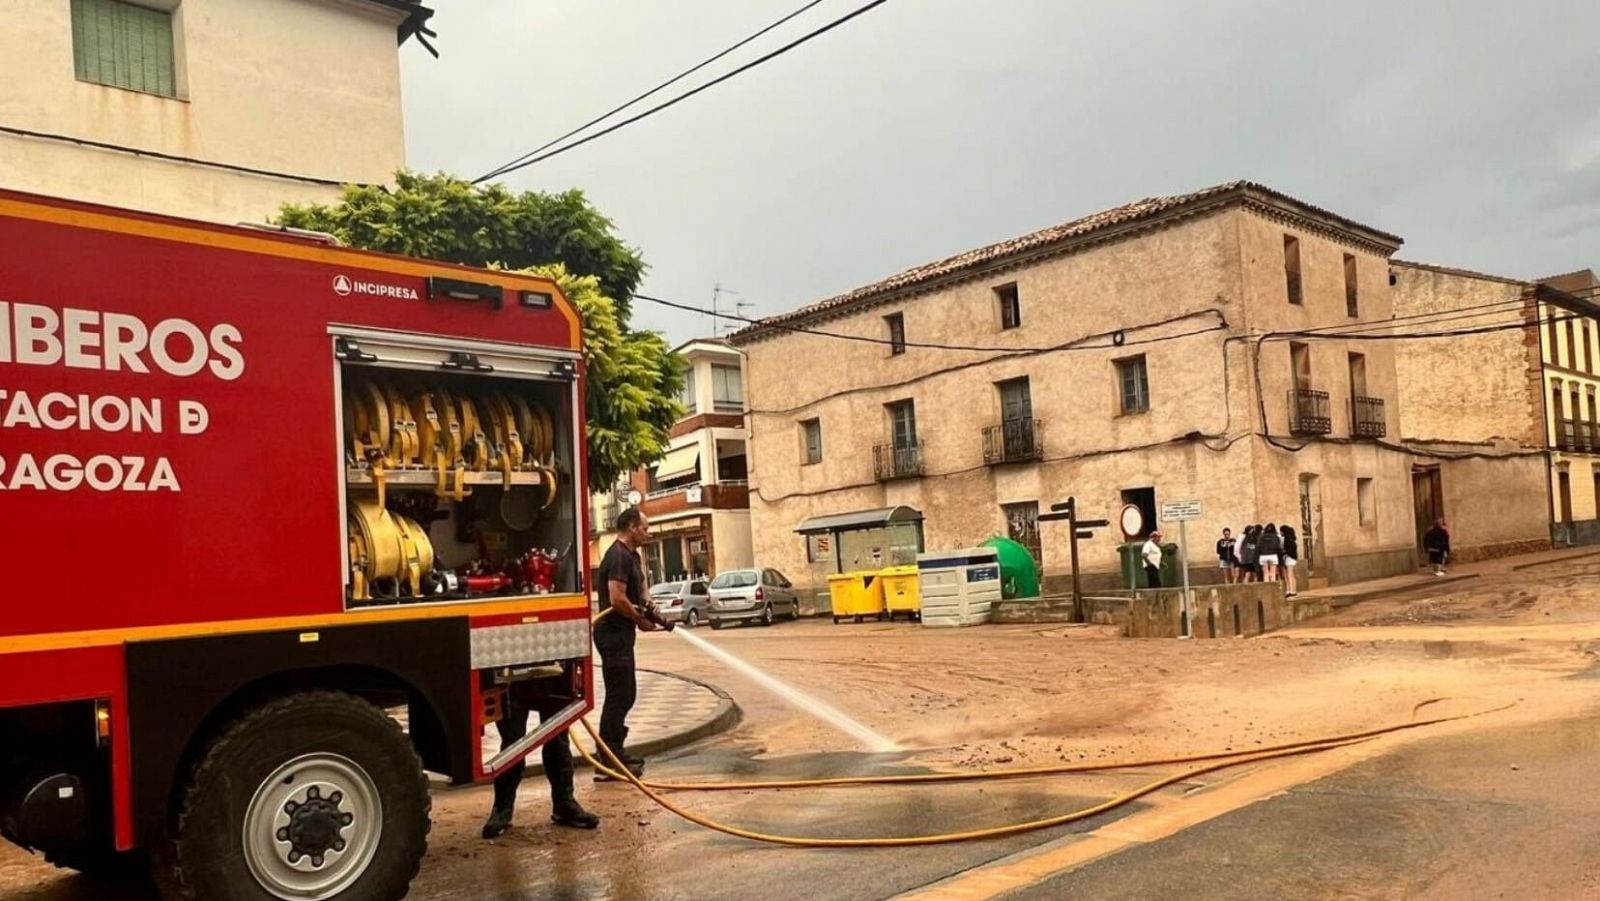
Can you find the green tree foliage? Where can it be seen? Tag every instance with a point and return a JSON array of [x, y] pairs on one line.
[[633, 377], [630, 415]]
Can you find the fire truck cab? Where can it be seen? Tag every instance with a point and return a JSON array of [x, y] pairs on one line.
[[289, 519]]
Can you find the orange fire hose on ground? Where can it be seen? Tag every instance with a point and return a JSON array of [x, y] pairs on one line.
[[1216, 761]]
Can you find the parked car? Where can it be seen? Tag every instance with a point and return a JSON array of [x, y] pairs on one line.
[[686, 602], [752, 595]]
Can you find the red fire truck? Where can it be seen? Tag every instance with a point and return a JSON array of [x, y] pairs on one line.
[[285, 520]]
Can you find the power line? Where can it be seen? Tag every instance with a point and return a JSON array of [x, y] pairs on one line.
[[509, 168], [647, 94], [175, 158]]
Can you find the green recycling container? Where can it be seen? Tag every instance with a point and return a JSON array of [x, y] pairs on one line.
[[1019, 574]]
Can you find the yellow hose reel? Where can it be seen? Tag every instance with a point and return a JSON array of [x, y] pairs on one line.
[[385, 547], [449, 432]]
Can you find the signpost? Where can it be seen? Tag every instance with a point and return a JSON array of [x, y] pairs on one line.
[[1181, 512], [1077, 529]]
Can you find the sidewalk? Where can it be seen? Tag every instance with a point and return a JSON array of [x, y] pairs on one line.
[[1341, 596]]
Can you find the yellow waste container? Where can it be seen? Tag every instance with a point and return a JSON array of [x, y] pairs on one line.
[[856, 594], [900, 591]]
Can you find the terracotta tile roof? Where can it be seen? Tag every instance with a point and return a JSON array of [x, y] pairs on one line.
[[1464, 273], [1150, 208]]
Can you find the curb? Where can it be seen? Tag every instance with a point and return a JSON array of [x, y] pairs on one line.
[[1578, 556], [727, 716], [1340, 602]]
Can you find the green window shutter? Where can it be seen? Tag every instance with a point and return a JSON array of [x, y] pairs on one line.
[[123, 45]]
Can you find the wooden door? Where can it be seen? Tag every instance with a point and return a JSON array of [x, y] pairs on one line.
[[1427, 492]]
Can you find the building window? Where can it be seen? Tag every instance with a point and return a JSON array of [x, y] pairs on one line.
[[1291, 268], [1010, 305], [1358, 375], [727, 389], [811, 436], [686, 395], [903, 424], [1134, 382], [1022, 526], [1352, 306], [123, 45], [1366, 504], [1016, 400], [897, 332], [1300, 365], [1572, 344]]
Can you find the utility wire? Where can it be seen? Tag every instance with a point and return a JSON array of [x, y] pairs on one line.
[[647, 94], [1330, 331], [968, 348], [509, 168]]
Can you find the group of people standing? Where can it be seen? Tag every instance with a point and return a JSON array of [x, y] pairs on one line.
[[1260, 554]]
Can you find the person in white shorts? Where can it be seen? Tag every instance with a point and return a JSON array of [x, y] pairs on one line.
[[1270, 548], [1291, 555]]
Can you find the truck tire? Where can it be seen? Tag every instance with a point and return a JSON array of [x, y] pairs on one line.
[[316, 796]]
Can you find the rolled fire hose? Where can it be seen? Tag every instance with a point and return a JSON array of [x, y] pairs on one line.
[[1220, 760], [431, 439], [386, 545]]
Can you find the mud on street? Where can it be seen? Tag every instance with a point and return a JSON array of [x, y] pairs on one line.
[[1000, 696]]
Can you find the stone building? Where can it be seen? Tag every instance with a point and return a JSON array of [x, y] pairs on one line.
[[1176, 348], [1569, 339], [217, 109], [1503, 422], [696, 496]]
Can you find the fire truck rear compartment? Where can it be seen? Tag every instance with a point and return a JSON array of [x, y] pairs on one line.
[[459, 485]]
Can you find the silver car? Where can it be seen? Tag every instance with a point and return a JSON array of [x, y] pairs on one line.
[[752, 595], [686, 602]]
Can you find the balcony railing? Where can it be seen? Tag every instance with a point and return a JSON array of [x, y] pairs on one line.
[[1013, 441], [1578, 436], [1366, 417], [728, 494], [1308, 412], [897, 461]]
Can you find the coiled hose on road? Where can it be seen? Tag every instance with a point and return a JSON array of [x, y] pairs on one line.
[[1220, 760]]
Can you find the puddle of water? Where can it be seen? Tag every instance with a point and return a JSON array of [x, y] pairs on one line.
[[796, 698]]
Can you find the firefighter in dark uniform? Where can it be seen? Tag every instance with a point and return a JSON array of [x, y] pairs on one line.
[[622, 590], [564, 807]]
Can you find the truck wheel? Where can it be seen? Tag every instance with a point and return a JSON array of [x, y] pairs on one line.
[[316, 796]]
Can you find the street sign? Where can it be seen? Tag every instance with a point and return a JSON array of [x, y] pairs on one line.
[[1132, 521], [1085, 533], [1093, 523], [1180, 511]]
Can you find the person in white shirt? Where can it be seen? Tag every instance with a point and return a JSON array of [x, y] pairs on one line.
[[1152, 559]]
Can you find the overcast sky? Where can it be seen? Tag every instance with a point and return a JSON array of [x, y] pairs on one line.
[[927, 127]]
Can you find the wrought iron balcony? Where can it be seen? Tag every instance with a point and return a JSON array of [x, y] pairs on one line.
[[1366, 417], [1013, 441], [897, 461], [1577, 436], [1308, 412]]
